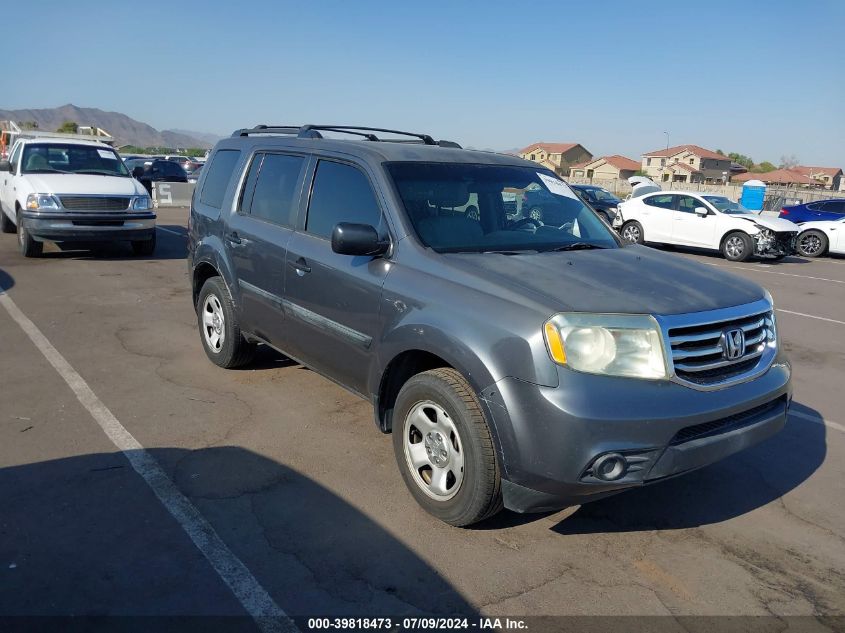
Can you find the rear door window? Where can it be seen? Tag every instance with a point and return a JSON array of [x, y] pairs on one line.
[[275, 179], [219, 174], [662, 201], [341, 193]]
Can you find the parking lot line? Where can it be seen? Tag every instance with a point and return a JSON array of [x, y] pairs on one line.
[[811, 316], [268, 616], [772, 272], [818, 420], [161, 228]]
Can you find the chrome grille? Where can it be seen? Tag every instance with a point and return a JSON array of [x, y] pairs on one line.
[[95, 203], [701, 354]]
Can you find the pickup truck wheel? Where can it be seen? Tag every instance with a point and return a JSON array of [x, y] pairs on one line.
[[144, 248], [219, 330], [535, 213], [29, 247], [811, 243], [632, 231], [6, 224], [737, 246], [444, 448]]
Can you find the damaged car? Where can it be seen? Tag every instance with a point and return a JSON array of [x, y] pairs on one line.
[[706, 221]]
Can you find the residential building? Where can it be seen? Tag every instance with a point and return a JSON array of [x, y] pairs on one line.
[[605, 168], [558, 157], [686, 163], [800, 176]]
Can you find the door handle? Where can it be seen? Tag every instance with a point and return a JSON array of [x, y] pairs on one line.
[[233, 238], [301, 266]]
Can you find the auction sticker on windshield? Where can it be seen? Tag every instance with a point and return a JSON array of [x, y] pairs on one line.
[[557, 187], [104, 153]]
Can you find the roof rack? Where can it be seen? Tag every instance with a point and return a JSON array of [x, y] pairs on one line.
[[313, 131]]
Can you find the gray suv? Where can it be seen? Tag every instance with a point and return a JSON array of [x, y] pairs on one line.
[[517, 363]]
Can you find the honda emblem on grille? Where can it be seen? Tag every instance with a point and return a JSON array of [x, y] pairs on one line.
[[733, 344]]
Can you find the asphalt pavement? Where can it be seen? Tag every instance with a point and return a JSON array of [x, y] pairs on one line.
[[137, 478]]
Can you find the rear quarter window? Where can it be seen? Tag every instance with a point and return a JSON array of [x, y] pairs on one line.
[[220, 172]]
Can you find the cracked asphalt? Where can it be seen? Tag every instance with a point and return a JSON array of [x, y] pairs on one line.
[[291, 472]]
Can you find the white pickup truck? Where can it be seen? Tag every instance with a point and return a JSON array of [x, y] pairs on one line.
[[67, 190]]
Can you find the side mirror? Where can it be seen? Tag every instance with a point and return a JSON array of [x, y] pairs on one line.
[[357, 239], [703, 212], [5, 165]]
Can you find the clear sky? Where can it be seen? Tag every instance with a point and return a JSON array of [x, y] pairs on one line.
[[764, 78]]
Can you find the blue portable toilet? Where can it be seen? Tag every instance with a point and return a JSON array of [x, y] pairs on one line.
[[753, 193]]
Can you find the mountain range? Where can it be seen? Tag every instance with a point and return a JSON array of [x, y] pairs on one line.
[[126, 130]]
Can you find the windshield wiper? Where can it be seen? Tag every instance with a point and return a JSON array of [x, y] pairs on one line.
[[97, 172], [508, 252], [575, 246], [44, 171]]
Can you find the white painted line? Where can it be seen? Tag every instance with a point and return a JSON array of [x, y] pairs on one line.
[[268, 616], [161, 228], [811, 316], [771, 272], [818, 420]]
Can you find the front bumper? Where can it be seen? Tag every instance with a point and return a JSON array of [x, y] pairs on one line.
[[550, 437], [83, 226]]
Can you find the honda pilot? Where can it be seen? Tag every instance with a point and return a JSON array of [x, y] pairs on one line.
[[517, 362]]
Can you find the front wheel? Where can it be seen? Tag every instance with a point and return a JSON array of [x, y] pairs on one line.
[[6, 224], [811, 243], [737, 247], [632, 232], [29, 246], [535, 213], [220, 333], [444, 448], [144, 248]]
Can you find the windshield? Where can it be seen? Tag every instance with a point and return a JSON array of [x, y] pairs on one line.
[[725, 205], [67, 158], [483, 208]]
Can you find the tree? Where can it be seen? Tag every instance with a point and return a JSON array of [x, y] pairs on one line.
[[720, 152], [742, 159], [764, 167], [68, 127], [788, 162]]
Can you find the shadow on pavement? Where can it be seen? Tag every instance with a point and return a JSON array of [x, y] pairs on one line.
[[719, 492], [168, 246], [86, 536]]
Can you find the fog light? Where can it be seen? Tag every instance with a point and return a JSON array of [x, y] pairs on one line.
[[610, 467]]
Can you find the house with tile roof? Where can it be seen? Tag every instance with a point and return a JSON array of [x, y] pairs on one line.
[[558, 157], [799, 176], [686, 163], [605, 168]]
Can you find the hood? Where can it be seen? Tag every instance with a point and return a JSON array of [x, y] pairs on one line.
[[778, 225], [84, 184], [633, 279]]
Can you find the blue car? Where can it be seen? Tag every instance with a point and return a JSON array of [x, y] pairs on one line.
[[814, 211]]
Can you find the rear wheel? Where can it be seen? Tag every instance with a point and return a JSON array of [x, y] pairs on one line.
[[632, 232], [29, 247], [811, 243], [219, 329], [737, 246], [535, 213], [6, 224], [144, 248], [444, 448]]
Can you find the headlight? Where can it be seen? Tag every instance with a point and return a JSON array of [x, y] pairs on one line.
[[142, 203], [41, 201], [607, 344]]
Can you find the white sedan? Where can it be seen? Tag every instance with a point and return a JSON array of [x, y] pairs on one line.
[[824, 236], [702, 220]]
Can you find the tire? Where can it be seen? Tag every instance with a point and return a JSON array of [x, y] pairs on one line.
[[228, 348], [811, 243], [6, 224], [632, 231], [438, 411], [737, 247], [535, 213], [144, 248], [29, 247]]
